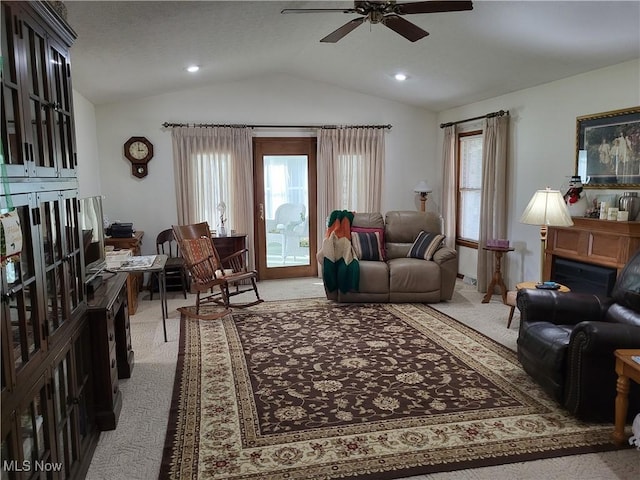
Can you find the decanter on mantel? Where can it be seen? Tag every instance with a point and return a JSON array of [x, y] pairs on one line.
[[630, 202]]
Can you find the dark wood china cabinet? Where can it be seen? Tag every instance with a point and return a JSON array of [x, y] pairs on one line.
[[48, 413]]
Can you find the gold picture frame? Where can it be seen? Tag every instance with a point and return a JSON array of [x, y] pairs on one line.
[[608, 149]]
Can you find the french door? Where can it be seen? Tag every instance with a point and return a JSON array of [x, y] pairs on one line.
[[285, 193]]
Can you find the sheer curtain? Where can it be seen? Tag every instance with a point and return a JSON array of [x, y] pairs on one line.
[[213, 165], [450, 177], [351, 168], [493, 207]]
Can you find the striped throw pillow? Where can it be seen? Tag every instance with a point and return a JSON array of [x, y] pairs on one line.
[[425, 245], [367, 245]]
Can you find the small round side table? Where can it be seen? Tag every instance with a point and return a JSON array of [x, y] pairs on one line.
[[497, 274], [512, 294], [521, 285]]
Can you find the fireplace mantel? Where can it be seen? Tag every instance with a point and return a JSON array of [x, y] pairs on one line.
[[600, 242]]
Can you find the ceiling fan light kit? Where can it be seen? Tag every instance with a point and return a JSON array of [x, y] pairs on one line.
[[388, 13]]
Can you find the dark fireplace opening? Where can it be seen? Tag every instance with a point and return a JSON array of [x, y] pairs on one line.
[[583, 277]]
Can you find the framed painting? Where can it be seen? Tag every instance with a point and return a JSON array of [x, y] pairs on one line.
[[608, 149]]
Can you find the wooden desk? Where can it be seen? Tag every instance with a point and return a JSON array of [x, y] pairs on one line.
[[131, 243], [626, 368], [134, 280], [497, 274], [111, 351], [229, 244]]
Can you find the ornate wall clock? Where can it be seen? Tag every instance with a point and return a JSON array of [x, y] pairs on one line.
[[138, 151]]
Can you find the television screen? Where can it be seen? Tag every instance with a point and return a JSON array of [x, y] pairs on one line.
[[92, 225]]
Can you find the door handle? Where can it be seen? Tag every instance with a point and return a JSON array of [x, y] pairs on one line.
[[261, 209]]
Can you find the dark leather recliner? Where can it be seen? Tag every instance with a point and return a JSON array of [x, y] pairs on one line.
[[566, 343]]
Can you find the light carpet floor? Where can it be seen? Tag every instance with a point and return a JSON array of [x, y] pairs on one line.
[[134, 450]]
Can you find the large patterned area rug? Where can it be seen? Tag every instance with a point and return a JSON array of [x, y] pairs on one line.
[[309, 389]]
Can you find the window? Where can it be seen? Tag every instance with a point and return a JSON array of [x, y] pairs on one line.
[[469, 188], [353, 187], [213, 185]]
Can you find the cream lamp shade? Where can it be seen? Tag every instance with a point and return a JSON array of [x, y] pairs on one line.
[[546, 208], [423, 189]]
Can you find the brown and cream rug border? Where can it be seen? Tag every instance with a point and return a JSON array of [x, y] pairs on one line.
[[216, 434]]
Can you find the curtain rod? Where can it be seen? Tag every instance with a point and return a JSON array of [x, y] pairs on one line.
[[212, 125], [488, 115]]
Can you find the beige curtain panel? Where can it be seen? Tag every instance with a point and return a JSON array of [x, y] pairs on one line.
[[450, 178], [213, 165], [493, 207], [351, 167]]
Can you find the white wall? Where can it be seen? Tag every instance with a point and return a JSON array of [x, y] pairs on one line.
[[150, 202], [87, 146], [543, 145]]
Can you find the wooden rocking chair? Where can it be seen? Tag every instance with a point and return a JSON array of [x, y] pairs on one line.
[[211, 274]]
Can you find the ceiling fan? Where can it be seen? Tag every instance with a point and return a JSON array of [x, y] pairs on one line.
[[387, 13]]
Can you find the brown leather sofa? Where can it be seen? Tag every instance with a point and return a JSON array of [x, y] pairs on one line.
[[400, 279], [566, 343]]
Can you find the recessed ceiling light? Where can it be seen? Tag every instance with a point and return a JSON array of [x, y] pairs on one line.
[[401, 77], [193, 68]]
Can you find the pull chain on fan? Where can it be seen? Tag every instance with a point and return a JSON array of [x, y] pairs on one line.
[[388, 13]]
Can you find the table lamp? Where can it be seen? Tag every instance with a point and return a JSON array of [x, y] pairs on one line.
[[423, 189], [546, 208]]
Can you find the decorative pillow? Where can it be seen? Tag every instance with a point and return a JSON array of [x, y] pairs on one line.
[[379, 231], [425, 245], [367, 245]]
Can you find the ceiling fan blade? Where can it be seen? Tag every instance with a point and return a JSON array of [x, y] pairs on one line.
[[336, 35], [434, 6], [407, 29], [316, 10]]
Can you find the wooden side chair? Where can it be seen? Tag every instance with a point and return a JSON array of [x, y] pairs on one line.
[[175, 271], [209, 272]]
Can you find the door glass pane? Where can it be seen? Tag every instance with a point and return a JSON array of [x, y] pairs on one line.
[[51, 232], [11, 145], [55, 279], [32, 422], [286, 210], [72, 254], [7, 456], [23, 316]]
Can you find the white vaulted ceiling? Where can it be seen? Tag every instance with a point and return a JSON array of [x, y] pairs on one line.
[[127, 50]]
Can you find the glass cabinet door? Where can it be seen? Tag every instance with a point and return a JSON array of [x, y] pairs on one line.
[[84, 387], [38, 111], [60, 237], [74, 281], [8, 451], [22, 313], [62, 105], [65, 414], [51, 231], [12, 133], [34, 427]]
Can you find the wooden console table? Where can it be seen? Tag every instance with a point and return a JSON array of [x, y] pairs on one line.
[[112, 355], [134, 280], [607, 243]]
